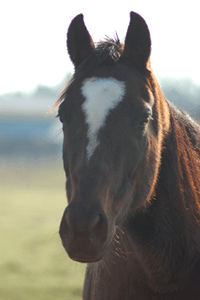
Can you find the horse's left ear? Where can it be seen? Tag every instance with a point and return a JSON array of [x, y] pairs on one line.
[[137, 47], [79, 42]]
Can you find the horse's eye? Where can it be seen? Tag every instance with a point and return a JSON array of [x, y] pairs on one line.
[[144, 122]]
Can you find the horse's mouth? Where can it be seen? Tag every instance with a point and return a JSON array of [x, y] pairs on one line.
[[85, 253], [87, 259]]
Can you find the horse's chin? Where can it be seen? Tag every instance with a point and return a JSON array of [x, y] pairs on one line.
[[87, 257]]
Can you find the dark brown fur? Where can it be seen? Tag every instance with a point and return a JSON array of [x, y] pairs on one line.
[[134, 217]]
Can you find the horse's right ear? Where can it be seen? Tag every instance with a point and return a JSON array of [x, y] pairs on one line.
[[137, 47], [79, 42]]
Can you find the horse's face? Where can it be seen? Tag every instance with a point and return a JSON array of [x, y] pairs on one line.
[[107, 124]]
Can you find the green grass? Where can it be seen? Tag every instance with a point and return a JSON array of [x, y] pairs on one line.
[[33, 263]]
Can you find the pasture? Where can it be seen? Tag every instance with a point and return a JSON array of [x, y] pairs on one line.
[[33, 264]]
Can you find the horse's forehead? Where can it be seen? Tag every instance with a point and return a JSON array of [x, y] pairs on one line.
[[101, 95]]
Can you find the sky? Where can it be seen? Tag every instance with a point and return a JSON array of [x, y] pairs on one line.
[[33, 37]]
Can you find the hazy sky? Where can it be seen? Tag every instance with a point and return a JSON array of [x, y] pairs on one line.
[[33, 33]]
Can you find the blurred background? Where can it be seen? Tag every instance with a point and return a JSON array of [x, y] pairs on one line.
[[34, 66]]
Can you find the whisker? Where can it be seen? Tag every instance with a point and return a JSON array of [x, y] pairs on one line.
[[117, 241], [120, 229], [117, 254]]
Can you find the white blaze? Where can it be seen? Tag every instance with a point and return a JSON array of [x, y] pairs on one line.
[[101, 95]]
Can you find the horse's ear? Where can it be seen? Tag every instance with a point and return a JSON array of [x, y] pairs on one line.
[[79, 42], [137, 47]]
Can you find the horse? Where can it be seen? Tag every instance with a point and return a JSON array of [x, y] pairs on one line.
[[132, 163]]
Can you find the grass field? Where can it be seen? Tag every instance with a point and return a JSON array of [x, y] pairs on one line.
[[33, 263]]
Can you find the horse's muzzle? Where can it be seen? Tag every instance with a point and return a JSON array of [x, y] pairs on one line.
[[84, 232]]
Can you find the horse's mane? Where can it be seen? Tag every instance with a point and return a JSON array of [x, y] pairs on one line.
[[186, 149], [109, 49]]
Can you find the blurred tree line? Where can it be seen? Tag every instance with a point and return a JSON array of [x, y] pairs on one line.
[[183, 93]]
